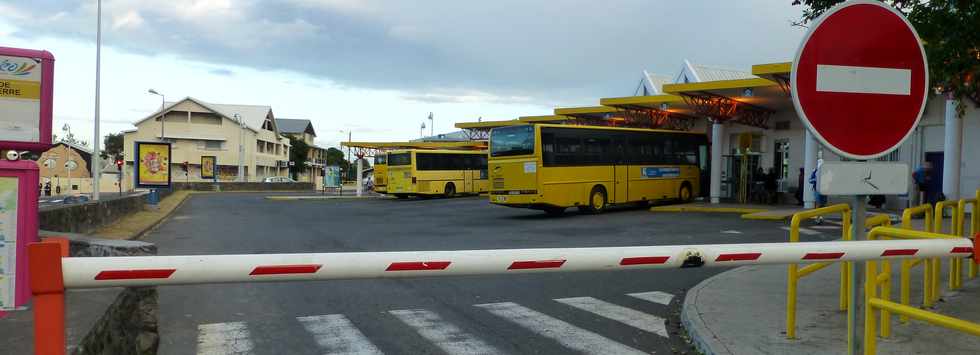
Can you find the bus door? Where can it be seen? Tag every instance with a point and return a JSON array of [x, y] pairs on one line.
[[620, 169]]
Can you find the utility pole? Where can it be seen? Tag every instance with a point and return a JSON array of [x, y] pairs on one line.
[[96, 159], [241, 148]]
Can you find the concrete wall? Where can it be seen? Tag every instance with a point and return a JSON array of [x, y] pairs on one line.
[[87, 217]]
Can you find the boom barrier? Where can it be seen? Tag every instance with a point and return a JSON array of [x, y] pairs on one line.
[[51, 274]]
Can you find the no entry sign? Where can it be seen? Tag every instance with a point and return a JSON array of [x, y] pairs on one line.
[[860, 79]]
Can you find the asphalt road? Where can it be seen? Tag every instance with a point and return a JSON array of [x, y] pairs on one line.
[[532, 313]]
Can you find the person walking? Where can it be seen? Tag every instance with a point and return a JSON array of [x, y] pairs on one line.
[[922, 177]]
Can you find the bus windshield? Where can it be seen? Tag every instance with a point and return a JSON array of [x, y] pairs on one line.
[[514, 140], [381, 158], [400, 159]]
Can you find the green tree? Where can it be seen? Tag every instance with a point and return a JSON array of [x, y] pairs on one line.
[[112, 147], [70, 139], [298, 152], [950, 35]]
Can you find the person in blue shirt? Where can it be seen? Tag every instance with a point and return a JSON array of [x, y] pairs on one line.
[[922, 177], [818, 199]]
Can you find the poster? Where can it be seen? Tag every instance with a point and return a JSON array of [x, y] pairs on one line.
[[331, 176], [8, 239], [207, 167], [20, 99], [152, 164]]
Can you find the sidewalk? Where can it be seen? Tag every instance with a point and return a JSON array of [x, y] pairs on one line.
[[748, 211], [743, 311]]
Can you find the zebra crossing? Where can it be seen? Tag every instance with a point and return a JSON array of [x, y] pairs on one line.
[[336, 334]]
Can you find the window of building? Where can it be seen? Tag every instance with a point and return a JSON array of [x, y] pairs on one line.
[[214, 145]]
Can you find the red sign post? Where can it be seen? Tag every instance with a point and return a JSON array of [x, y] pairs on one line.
[[860, 79]]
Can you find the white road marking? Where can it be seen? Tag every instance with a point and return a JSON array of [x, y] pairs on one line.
[[825, 227], [864, 80], [628, 316], [335, 334], [730, 231], [445, 335], [803, 230], [224, 338], [565, 334], [653, 296]]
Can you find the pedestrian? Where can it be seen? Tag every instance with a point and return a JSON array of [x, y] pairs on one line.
[[819, 200], [47, 188], [799, 188], [772, 186], [922, 177]]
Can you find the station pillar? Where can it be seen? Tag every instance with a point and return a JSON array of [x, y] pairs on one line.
[[360, 177], [717, 137], [809, 165], [952, 147]]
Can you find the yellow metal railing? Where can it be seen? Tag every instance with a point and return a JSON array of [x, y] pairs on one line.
[[795, 272], [875, 280], [941, 207], [961, 228], [929, 285]]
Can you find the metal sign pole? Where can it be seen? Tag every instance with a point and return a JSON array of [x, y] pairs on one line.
[[854, 345]]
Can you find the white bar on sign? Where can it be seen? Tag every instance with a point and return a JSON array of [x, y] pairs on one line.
[[856, 178], [864, 80]]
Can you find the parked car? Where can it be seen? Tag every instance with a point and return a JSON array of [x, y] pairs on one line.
[[278, 179]]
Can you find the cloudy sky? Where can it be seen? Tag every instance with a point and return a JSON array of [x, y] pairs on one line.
[[378, 67]]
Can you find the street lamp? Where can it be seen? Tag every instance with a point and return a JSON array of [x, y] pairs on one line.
[[432, 125], [241, 148], [68, 159], [422, 131], [162, 102], [96, 158]]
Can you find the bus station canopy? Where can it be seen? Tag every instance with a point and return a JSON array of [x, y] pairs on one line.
[[746, 101], [546, 119], [589, 112], [488, 124]]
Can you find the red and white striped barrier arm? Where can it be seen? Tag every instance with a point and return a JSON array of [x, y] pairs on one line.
[[198, 269]]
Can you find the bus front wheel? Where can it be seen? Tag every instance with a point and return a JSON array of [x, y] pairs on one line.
[[450, 190], [597, 200], [685, 194]]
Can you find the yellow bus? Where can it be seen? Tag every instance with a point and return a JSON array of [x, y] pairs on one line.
[[428, 173], [553, 167], [381, 172]]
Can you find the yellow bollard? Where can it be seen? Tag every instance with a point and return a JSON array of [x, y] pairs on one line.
[[870, 284], [908, 264]]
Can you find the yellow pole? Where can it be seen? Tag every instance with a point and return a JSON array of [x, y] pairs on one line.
[[886, 294], [870, 276]]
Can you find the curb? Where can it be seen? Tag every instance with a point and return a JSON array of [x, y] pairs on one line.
[[701, 337], [706, 209], [766, 217], [301, 198], [141, 233]]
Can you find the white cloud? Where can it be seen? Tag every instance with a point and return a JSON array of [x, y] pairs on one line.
[[130, 20]]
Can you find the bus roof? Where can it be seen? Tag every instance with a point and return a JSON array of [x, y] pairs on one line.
[[439, 151], [488, 124], [619, 129], [472, 145]]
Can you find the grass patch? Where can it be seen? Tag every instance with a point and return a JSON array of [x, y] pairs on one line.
[[132, 226]]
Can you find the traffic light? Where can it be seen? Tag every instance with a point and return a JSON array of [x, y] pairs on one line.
[[186, 167], [119, 164]]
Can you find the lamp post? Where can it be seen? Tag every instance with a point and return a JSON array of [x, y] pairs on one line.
[[241, 148], [162, 103], [432, 125], [96, 159], [68, 159], [422, 131]]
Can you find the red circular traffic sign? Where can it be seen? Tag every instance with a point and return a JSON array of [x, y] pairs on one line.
[[860, 79]]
